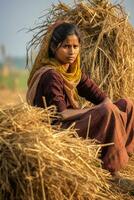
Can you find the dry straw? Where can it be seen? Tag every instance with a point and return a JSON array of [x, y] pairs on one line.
[[107, 42], [40, 161]]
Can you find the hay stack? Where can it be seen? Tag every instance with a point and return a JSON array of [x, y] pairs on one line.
[[107, 42], [43, 162], [38, 161]]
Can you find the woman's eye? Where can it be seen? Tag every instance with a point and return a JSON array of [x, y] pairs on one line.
[[69, 46], [76, 46], [66, 46]]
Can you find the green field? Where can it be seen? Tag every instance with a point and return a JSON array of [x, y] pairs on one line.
[[14, 80]]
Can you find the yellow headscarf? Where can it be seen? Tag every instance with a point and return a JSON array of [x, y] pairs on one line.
[[71, 79]]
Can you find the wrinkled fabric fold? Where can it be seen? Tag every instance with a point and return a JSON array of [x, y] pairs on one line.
[[110, 123]]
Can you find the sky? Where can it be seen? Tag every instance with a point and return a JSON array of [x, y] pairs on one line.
[[15, 15]]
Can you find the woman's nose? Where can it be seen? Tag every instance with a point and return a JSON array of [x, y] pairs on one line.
[[71, 50]]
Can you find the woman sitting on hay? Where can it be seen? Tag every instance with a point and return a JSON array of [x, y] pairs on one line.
[[57, 76]]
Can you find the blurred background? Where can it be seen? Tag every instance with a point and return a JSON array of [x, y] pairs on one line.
[[16, 17]]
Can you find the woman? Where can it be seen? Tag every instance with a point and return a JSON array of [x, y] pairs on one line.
[[56, 75]]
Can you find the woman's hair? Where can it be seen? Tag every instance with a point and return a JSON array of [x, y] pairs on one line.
[[59, 34]]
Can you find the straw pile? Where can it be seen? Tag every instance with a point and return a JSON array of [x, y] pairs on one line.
[[107, 42], [40, 161]]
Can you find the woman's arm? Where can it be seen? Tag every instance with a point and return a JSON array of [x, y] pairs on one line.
[[88, 89], [51, 87], [107, 100], [72, 114]]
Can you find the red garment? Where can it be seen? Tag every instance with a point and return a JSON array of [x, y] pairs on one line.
[[110, 123], [51, 86]]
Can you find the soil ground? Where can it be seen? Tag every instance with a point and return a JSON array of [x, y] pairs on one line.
[[11, 97]]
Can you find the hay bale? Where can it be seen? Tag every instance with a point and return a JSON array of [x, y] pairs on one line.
[[108, 41], [40, 161]]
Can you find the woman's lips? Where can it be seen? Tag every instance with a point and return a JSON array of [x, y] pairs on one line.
[[70, 58]]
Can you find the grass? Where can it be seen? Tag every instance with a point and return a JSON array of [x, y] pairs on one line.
[[14, 80]]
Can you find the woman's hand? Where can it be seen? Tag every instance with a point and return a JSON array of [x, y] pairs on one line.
[[72, 114], [107, 100]]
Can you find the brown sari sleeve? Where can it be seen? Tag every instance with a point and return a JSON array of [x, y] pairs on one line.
[[87, 88], [51, 87]]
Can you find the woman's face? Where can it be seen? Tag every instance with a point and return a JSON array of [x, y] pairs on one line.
[[68, 50]]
